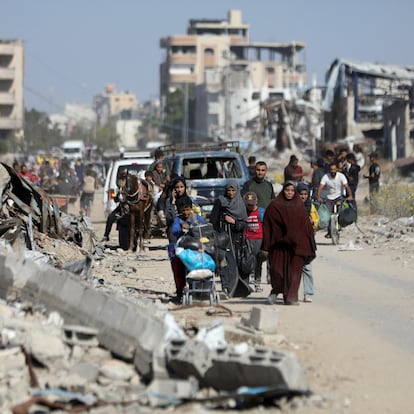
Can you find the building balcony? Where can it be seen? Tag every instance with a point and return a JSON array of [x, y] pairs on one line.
[[7, 98], [7, 73], [182, 58], [182, 78], [10, 123], [168, 42], [7, 48]]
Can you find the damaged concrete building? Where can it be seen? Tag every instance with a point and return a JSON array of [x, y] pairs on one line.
[[371, 100], [227, 70]]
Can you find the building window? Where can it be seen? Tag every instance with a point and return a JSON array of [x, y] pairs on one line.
[[212, 97], [181, 69], [209, 52]]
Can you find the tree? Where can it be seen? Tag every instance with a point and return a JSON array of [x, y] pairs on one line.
[[81, 132], [174, 114], [106, 137], [39, 133], [148, 131]]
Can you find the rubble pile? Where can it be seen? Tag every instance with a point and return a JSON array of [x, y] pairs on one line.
[[70, 341], [64, 341], [379, 231]]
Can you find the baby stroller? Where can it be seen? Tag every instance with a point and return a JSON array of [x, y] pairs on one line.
[[195, 250]]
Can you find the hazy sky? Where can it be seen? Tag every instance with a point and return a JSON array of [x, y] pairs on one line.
[[73, 48]]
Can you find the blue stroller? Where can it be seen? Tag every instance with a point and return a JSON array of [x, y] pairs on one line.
[[200, 265]]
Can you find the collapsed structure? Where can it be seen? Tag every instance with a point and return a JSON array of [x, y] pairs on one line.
[[371, 100]]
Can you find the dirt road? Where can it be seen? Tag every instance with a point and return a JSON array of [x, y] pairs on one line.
[[358, 334], [356, 339]]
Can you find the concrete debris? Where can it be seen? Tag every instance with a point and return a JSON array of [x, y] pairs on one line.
[[350, 246], [83, 336], [245, 366], [261, 321], [150, 356]]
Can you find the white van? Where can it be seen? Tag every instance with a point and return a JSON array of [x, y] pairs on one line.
[[138, 164], [73, 149]]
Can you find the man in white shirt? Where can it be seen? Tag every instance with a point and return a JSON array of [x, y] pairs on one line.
[[335, 185]]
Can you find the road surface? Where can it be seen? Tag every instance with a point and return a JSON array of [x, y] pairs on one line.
[[356, 340]]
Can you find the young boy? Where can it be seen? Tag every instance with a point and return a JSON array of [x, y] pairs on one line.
[[182, 223], [186, 218], [254, 234]]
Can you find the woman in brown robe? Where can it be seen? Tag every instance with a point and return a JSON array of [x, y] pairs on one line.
[[289, 239]]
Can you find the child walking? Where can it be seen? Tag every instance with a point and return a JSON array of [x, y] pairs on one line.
[[254, 234]]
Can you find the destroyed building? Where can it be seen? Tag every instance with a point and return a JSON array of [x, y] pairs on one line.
[[371, 100]]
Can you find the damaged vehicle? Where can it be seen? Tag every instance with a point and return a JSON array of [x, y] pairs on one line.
[[207, 169]]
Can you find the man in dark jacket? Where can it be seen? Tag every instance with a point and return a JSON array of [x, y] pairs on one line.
[[351, 170], [260, 186]]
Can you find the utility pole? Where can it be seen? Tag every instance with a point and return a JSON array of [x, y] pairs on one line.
[[226, 104], [185, 118]]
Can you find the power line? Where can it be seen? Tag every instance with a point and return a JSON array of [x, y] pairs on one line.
[[52, 69], [44, 98]]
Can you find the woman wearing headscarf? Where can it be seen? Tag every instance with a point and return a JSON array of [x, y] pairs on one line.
[[229, 215], [303, 190], [178, 190], [288, 238]]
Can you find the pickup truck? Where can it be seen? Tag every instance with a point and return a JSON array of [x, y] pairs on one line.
[[207, 169]]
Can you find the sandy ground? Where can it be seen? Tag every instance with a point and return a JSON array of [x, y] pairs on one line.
[[356, 340]]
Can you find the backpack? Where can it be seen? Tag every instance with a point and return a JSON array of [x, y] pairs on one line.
[[88, 184]]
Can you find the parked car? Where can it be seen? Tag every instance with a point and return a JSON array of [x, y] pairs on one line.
[[207, 170], [138, 164]]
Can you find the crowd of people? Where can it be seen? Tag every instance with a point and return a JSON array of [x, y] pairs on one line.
[[278, 229], [63, 177]]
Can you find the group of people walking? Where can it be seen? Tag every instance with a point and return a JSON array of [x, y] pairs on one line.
[[278, 230]]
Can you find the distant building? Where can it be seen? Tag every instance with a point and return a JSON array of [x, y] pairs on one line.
[[74, 115], [214, 56], [127, 132], [114, 104], [11, 88], [371, 100]]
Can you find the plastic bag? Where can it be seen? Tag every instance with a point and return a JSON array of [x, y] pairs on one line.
[[247, 260], [347, 215], [189, 242], [324, 216], [194, 259]]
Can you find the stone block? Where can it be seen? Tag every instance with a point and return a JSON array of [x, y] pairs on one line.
[[264, 320]]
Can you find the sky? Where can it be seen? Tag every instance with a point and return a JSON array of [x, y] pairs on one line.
[[73, 48]]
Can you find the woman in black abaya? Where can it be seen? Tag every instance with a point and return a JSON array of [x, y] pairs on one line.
[[229, 215]]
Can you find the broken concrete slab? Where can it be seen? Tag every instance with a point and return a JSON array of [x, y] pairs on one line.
[[46, 348], [145, 333], [130, 329], [262, 320], [244, 366]]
